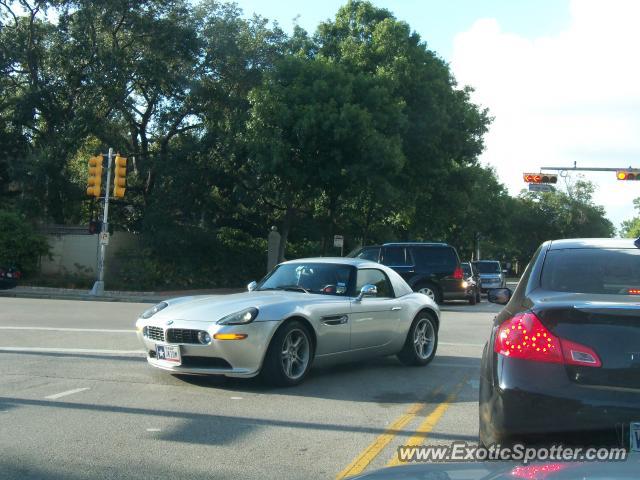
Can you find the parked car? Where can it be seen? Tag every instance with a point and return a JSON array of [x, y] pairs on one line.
[[563, 358], [9, 277], [491, 274], [312, 311], [429, 268], [473, 280]]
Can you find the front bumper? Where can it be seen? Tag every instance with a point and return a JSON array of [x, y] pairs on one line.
[[534, 398], [231, 358]]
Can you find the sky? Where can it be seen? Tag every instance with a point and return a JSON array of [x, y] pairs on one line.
[[560, 77]]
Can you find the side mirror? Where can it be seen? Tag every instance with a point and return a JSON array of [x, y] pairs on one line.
[[367, 290], [252, 286], [501, 296]]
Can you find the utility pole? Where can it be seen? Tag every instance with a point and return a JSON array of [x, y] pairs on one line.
[[477, 246], [98, 286]]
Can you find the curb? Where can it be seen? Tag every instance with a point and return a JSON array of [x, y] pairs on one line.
[[77, 296]]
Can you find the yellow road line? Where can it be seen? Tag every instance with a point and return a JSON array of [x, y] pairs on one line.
[[373, 450], [429, 423]]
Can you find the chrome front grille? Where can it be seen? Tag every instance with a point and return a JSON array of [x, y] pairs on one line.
[[182, 335], [154, 333]]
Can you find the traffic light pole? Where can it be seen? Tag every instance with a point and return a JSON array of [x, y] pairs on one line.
[[98, 286], [576, 169]]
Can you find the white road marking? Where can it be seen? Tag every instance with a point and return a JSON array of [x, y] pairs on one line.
[[449, 344], [61, 329], [153, 430], [236, 398], [64, 394], [85, 351]]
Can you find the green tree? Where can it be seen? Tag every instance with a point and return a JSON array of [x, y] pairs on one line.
[[318, 131], [444, 128], [20, 246], [631, 228]]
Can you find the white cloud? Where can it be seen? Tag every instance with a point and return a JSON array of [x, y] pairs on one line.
[[573, 96]]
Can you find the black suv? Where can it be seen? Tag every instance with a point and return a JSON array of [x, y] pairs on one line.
[[429, 268]]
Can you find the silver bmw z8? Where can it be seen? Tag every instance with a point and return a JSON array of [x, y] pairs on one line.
[[315, 311]]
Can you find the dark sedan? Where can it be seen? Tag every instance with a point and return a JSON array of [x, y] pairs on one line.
[[9, 277], [563, 358]]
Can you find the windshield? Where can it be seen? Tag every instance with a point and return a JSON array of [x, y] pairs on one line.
[[488, 267], [323, 278], [592, 271]]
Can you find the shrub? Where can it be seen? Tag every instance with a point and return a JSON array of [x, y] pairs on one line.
[[20, 245]]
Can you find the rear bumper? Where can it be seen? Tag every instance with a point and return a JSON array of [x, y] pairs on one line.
[[455, 291], [531, 398]]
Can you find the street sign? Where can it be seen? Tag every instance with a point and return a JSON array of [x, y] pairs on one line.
[[540, 187], [104, 238], [338, 241]]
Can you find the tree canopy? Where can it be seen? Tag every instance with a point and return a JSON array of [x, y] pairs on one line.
[[232, 126]]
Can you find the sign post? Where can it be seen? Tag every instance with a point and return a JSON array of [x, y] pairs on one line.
[[338, 242]]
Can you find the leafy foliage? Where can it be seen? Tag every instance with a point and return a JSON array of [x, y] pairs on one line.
[[20, 246], [231, 127]]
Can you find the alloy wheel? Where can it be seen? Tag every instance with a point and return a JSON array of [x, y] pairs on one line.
[[428, 291], [424, 338], [295, 354]]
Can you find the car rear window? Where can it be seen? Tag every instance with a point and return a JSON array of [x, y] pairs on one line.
[[372, 254], [488, 267], [590, 270], [436, 258]]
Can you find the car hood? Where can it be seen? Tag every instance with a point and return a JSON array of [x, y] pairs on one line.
[[211, 308]]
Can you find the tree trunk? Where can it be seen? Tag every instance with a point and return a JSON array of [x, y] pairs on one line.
[[287, 221]]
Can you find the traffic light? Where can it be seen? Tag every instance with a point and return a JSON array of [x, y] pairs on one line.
[[95, 176], [540, 177], [120, 176], [628, 174]]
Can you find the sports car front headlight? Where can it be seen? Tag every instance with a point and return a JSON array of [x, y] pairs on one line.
[[155, 309], [243, 317]]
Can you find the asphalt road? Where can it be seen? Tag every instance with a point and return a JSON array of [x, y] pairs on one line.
[[77, 400]]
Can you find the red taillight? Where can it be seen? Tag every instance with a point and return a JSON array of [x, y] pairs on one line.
[[525, 337], [634, 291], [537, 472], [458, 274]]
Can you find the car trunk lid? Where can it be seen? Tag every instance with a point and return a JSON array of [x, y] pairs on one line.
[[612, 330]]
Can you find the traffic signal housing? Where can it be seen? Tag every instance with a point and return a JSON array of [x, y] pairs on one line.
[[540, 177], [628, 174], [119, 176], [94, 181]]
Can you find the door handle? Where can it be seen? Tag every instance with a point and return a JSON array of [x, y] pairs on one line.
[[335, 320], [395, 309]]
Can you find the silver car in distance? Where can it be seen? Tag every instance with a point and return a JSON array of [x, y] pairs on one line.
[[316, 311]]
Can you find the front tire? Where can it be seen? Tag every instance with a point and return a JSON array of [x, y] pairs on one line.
[[289, 355], [473, 299], [421, 343]]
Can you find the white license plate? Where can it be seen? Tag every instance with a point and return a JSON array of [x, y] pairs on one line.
[[634, 440], [168, 353]]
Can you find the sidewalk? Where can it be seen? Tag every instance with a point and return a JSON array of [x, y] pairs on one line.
[[109, 295]]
